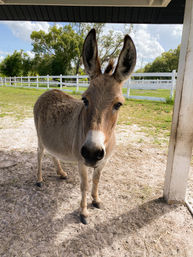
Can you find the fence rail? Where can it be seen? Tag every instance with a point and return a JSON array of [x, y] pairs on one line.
[[78, 83]]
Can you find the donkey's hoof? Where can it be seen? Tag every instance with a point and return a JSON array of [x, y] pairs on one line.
[[96, 204], [63, 177], [83, 219], [39, 184]]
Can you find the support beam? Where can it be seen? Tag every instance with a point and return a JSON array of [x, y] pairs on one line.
[[165, 2], [151, 2], [133, 3], [181, 139]]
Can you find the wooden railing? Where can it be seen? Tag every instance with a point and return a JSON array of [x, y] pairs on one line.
[[77, 83]]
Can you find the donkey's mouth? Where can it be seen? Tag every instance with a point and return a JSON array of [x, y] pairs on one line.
[[91, 165]]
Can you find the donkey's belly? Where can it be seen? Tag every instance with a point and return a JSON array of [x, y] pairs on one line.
[[59, 146], [62, 156]]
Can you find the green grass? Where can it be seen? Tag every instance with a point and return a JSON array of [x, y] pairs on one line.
[[17, 102], [153, 118]]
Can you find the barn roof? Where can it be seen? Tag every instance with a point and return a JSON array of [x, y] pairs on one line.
[[121, 11]]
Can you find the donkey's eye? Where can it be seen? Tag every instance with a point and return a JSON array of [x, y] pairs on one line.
[[117, 106], [85, 101]]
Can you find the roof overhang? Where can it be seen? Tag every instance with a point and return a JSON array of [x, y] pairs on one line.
[[137, 11], [126, 3]]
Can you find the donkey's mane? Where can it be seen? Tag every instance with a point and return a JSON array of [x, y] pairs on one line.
[[110, 67]]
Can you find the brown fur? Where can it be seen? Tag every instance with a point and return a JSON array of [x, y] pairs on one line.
[[110, 67], [63, 123]]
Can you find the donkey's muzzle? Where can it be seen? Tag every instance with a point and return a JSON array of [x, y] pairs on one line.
[[92, 156]]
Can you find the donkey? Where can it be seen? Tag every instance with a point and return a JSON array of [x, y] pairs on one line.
[[84, 130]]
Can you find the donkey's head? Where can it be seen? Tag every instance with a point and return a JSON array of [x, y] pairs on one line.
[[103, 98]]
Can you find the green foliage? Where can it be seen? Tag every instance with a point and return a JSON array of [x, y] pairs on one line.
[[17, 64], [167, 62], [59, 51], [56, 50]]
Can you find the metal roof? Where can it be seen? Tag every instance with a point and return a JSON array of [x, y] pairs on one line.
[[173, 13]]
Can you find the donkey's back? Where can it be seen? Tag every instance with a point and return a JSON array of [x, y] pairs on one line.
[[54, 107]]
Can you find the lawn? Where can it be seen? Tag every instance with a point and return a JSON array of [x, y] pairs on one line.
[[153, 118]]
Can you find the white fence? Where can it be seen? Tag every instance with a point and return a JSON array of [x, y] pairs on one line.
[[143, 81]]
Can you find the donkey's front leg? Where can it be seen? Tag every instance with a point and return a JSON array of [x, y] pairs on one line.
[[96, 176], [83, 171]]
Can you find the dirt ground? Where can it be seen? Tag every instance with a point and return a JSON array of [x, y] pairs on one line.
[[134, 220]]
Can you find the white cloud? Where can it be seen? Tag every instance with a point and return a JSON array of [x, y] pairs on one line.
[[147, 45], [31, 54], [177, 31], [23, 29], [3, 55]]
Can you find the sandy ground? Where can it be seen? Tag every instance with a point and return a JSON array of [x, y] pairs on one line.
[[134, 220]]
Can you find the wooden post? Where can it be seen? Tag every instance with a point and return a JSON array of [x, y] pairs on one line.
[[48, 82], [21, 82], [181, 139], [61, 81], [77, 83], [128, 87], [37, 81], [28, 80], [173, 84]]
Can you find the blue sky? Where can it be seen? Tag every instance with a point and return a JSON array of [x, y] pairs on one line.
[[150, 40]]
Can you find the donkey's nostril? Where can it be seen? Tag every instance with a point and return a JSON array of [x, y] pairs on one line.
[[84, 152], [99, 154], [92, 155]]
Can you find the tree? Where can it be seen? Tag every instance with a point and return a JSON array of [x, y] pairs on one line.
[[109, 42], [17, 64], [56, 50], [167, 62]]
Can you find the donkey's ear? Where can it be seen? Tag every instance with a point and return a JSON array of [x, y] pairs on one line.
[[90, 55], [127, 60]]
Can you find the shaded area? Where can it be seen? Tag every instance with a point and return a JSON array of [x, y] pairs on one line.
[[104, 234], [133, 222]]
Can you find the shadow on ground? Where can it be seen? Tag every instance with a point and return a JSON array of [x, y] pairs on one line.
[[45, 222]]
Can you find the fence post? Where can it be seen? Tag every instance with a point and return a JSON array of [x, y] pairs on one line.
[[173, 84], [15, 81], [10, 81], [28, 80], [37, 82], [77, 83], [48, 82], [128, 87], [61, 81], [21, 81]]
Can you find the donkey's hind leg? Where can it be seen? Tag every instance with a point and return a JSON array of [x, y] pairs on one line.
[[40, 155], [59, 169]]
